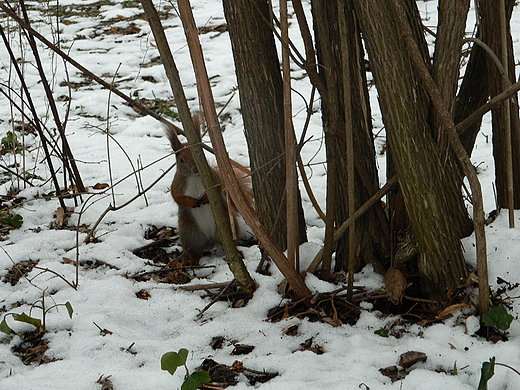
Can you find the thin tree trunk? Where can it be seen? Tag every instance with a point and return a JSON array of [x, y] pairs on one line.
[[261, 101], [473, 93], [447, 125], [490, 25], [448, 48], [372, 232], [290, 146]]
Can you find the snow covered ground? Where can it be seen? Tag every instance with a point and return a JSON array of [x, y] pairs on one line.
[[141, 330]]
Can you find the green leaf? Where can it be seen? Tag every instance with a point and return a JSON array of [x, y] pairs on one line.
[[201, 376], [70, 310], [382, 332], [170, 361], [499, 317], [455, 371], [196, 380], [13, 220], [486, 373], [29, 320], [183, 353], [6, 328]]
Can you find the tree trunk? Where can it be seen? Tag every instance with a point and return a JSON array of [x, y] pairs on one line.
[[430, 187], [261, 100], [446, 58], [372, 232], [473, 93], [490, 25]]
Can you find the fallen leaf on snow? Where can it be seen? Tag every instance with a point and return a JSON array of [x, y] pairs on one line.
[[447, 311], [408, 359]]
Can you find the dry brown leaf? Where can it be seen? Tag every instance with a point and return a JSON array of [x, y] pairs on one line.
[[143, 294], [447, 311], [66, 260], [408, 359], [75, 189], [291, 330], [391, 372], [242, 349], [61, 217], [100, 186], [395, 283], [106, 383]]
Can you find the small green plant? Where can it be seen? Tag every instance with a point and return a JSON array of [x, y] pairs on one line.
[[14, 220], [488, 370], [10, 143], [39, 324], [486, 373], [497, 317], [170, 361]]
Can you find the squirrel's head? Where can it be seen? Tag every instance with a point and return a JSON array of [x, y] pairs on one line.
[[185, 163]]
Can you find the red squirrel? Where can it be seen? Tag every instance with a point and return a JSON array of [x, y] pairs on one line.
[[197, 228]]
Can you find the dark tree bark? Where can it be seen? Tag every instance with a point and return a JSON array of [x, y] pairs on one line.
[[473, 93], [445, 72], [490, 26], [340, 77], [430, 186], [448, 47], [261, 98]]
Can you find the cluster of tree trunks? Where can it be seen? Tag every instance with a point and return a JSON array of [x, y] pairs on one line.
[[428, 208]]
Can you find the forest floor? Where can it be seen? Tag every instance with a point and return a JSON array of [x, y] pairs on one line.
[[128, 310]]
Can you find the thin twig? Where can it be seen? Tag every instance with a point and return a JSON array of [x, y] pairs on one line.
[[215, 299], [485, 108], [508, 144], [115, 208], [349, 128], [507, 366], [207, 286], [17, 175], [40, 268], [68, 161], [493, 56], [35, 115], [310, 63], [291, 176], [107, 141]]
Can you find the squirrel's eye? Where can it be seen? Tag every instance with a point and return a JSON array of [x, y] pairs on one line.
[[181, 160]]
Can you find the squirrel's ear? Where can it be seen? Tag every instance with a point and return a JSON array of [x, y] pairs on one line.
[[197, 122], [171, 133]]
